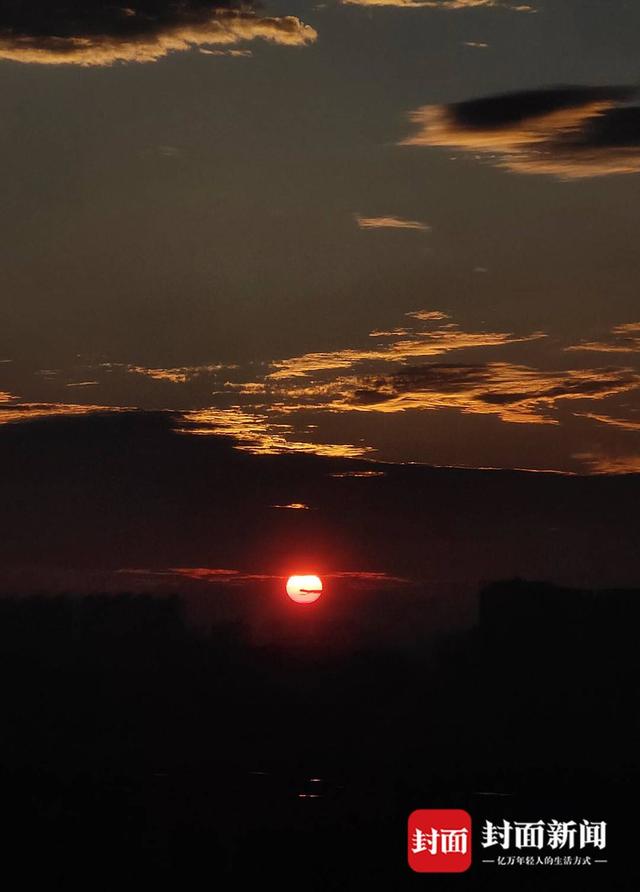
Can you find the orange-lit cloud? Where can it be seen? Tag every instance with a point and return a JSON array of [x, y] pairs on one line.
[[15, 412], [95, 32], [293, 506], [428, 315], [568, 132], [410, 344], [514, 393], [254, 433], [624, 424], [178, 375], [625, 339], [359, 474], [390, 223], [605, 464], [234, 54], [442, 4], [386, 380]]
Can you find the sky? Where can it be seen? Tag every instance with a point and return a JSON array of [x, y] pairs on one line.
[[120, 502], [397, 231]]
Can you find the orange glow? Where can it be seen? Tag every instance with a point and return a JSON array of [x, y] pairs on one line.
[[304, 589]]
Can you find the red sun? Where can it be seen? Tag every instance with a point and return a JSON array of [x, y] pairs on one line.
[[304, 589]]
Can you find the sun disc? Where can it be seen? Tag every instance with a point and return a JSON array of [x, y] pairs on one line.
[[304, 589]]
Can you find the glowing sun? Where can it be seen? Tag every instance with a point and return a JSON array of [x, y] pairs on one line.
[[304, 589]]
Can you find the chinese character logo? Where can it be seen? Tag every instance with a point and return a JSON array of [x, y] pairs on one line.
[[439, 840]]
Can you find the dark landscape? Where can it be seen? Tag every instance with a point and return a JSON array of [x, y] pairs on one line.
[[196, 729]]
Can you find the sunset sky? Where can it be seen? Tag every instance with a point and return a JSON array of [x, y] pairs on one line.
[[401, 231]]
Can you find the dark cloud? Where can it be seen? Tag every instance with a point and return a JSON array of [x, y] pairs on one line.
[[13, 411], [98, 32], [568, 132], [515, 393]]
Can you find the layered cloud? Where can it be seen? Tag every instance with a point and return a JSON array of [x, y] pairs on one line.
[[15, 412], [390, 223], [567, 132], [388, 378], [623, 338], [514, 393], [178, 375], [222, 576], [407, 343], [426, 364], [598, 463], [254, 432], [442, 4], [97, 32]]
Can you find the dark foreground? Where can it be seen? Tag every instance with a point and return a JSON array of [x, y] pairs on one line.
[[136, 751]]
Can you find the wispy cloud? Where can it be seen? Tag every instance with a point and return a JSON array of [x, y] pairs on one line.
[[202, 574], [514, 393], [624, 424], [178, 375], [390, 222], [406, 344], [386, 379], [255, 433], [624, 338], [234, 54], [443, 4], [598, 463], [359, 474], [93, 32], [428, 315], [16, 412], [567, 132], [238, 577]]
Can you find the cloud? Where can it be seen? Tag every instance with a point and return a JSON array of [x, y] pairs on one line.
[[202, 574], [16, 412], [567, 132], [408, 344], [234, 54], [390, 223], [428, 315], [514, 393], [341, 474], [293, 506], [238, 577], [98, 32], [253, 432], [443, 4], [178, 375], [626, 339], [605, 464], [621, 423]]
